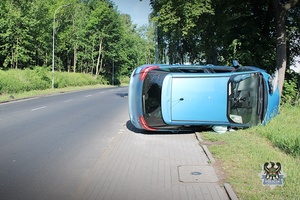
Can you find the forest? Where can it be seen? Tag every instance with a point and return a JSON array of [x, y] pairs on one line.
[[89, 36], [92, 36]]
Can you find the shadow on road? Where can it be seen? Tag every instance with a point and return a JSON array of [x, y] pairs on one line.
[[122, 94]]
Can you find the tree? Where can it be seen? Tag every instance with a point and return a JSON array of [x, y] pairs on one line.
[[178, 27], [101, 29], [293, 34], [219, 31], [281, 8], [242, 31], [16, 36], [90, 36], [147, 44]]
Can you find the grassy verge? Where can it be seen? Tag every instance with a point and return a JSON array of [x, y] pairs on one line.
[[39, 78], [33, 93], [241, 154], [20, 84]]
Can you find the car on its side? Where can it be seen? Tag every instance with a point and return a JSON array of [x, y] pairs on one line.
[[186, 97]]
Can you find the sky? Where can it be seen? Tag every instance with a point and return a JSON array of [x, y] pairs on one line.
[[138, 10], [296, 67]]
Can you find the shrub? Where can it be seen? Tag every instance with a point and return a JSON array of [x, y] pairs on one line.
[[125, 79], [40, 78], [12, 81], [65, 79], [291, 88]]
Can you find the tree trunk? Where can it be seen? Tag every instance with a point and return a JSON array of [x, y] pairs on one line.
[[101, 64], [12, 63], [281, 55], [75, 57], [93, 60], [98, 66], [17, 54]]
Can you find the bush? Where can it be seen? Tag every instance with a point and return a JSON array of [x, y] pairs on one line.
[[291, 88], [40, 78], [65, 79], [125, 79], [13, 81], [37, 79]]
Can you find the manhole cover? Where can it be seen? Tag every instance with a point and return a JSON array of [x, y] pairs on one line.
[[197, 174]]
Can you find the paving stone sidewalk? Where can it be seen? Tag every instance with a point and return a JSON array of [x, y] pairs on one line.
[[139, 166]]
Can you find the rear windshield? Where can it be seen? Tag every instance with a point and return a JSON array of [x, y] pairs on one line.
[[152, 87]]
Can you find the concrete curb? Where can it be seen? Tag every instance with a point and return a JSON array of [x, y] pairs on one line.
[[230, 191], [231, 194], [205, 149], [208, 154]]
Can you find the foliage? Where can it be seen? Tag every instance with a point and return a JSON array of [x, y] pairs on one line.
[[293, 33], [179, 25], [13, 81], [64, 79], [291, 88], [88, 37], [17, 81], [93, 37], [219, 31], [216, 31]]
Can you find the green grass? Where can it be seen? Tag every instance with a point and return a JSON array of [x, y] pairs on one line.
[[39, 78], [34, 93], [284, 131], [19, 84], [242, 153]]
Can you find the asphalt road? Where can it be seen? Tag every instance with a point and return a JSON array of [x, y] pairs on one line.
[[49, 144]]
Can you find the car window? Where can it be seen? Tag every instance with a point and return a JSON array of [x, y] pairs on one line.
[[151, 96], [245, 98]]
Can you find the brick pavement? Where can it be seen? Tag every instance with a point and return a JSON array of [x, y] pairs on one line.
[[152, 166]]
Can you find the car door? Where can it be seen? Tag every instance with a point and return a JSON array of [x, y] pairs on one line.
[[192, 100]]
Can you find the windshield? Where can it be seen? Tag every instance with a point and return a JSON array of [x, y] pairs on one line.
[[152, 97], [245, 98]]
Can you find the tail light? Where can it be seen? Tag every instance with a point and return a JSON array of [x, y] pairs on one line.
[[146, 70], [145, 125]]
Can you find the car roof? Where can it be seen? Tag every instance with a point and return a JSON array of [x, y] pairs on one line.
[[203, 68]]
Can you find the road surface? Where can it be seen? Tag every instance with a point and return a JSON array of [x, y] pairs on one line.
[[49, 144]]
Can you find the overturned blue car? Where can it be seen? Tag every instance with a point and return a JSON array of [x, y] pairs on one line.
[[186, 97]]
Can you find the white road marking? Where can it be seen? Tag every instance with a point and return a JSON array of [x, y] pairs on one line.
[[38, 108], [68, 100], [88, 95]]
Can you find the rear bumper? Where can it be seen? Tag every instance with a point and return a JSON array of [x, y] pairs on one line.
[[134, 100]]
